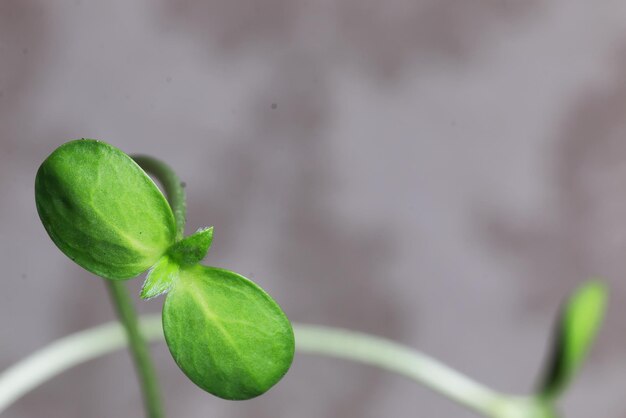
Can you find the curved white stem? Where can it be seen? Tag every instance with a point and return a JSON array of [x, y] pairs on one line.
[[83, 346], [389, 355], [65, 353]]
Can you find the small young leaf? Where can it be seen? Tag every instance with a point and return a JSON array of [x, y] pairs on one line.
[[160, 278], [192, 249], [579, 321], [226, 334], [102, 210]]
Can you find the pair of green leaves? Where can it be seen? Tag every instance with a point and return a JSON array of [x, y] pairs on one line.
[[105, 213]]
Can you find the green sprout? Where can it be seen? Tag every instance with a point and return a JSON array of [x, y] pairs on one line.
[[105, 213], [579, 321]]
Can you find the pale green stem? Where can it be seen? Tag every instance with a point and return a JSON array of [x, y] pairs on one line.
[[138, 347], [389, 355], [66, 353], [78, 348]]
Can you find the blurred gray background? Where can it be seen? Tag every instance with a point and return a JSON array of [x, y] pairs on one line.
[[439, 172]]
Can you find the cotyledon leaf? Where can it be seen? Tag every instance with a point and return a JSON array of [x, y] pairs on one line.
[[579, 321], [225, 333], [102, 210]]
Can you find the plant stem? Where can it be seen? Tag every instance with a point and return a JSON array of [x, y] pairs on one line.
[[86, 345], [139, 349], [174, 189], [65, 353], [389, 355]]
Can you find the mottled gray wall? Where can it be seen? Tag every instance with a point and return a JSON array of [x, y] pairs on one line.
[[441, 172]]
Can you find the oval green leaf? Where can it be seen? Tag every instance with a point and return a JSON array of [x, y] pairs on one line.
[[226, 334], [579, 322], [102, 210]]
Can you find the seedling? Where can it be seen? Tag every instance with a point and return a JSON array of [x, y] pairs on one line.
[[102, 209], [104, 212]]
